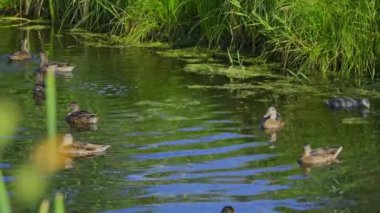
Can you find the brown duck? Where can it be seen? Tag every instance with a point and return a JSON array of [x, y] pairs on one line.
[[59, 67], [44, 65], [80, 117], [272, 119], [23, 54], [76, 149], [320, 155]]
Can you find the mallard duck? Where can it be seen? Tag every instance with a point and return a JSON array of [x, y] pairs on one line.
[[62, 66], [320, 155], [80, 117], [80, 149], [347, 103], [44, 65], [228, 209], [58, 67], [272, 119], [84, 127], [23, 54]]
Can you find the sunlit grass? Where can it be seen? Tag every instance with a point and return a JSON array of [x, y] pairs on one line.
[[310, 36], [51, 105]]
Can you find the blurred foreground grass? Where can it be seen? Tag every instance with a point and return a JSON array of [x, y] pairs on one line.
[[32, 178]]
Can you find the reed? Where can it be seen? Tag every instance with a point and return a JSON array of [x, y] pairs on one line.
[[310, 36], [51, 105]]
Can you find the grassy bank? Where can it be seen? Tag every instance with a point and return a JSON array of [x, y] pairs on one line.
[[310, 36]]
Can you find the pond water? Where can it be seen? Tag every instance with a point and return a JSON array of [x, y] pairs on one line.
[[185, 142]]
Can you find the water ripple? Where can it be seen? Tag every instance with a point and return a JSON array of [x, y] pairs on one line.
[[227, 189], [204, 139], [197, 152]]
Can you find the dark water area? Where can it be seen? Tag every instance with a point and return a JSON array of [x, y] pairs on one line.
[[176, 148]]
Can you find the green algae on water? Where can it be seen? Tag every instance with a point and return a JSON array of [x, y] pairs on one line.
[[355, 121], [239, 72]]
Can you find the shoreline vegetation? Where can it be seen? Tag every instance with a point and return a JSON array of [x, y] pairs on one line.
[[338, 38]]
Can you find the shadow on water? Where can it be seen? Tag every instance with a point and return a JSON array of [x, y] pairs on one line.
[[180, 149]]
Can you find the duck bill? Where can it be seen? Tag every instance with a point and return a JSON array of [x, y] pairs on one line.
[[266, 116]]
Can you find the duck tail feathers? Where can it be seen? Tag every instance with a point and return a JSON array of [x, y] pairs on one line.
[[104, 148], [337, 152]]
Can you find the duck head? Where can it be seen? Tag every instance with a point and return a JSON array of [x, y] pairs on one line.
[[67, 139], [307, 149], [44, 59], [74, 106], [228, 209], [271, 113], [364, 102]]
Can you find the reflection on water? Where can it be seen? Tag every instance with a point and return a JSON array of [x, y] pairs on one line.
[[177, 149]]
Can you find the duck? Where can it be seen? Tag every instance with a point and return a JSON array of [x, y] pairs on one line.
[[80, 117], [59, 67], [76, 149], [347, 103], [272, 119], [62, 66], [23, 54], [83, 127], [320, 155], [228, 209], [44, 65]]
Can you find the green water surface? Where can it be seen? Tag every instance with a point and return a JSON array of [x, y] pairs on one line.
[[188, 142]]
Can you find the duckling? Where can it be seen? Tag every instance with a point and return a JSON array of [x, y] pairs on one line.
[[228, 209], [80, 149], [23, 54], [320, 155], [347, 103], [80, 117], [272, 119]]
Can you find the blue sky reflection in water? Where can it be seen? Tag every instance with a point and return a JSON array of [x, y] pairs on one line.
[[180, 149]]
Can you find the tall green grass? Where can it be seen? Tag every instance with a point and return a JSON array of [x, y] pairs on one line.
[[311, 36], [51, 105]]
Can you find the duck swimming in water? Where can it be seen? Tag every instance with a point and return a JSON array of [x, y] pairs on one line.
[[44, 65], [272, 119], [59, 67], [347, 103], [74, 149], [80, 117], [320, 155], [23, 54], [62, 66]]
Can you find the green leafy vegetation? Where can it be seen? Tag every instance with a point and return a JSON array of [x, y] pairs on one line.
[[311, 36]]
